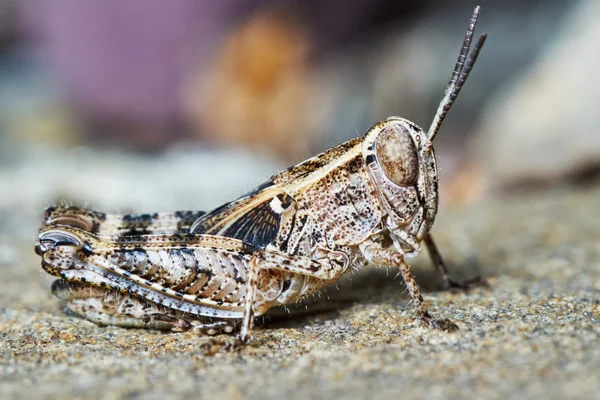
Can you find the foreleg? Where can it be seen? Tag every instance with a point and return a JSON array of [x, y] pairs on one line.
[[379, 256]]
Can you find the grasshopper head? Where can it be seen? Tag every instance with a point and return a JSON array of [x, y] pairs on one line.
[[401, 163], [401, 158]]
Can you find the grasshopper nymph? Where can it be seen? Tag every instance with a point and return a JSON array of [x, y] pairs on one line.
[[372, 199]]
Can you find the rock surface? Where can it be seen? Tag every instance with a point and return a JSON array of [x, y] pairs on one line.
[[543, 125], [533, 334]]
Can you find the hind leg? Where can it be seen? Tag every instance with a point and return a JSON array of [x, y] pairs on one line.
[[110, 307]]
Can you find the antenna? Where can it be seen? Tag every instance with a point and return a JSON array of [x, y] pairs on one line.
[[460, 74]]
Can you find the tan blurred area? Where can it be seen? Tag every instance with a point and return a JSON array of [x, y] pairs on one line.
[[257, 91]]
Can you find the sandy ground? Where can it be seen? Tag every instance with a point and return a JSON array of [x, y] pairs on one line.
[[533, 334]]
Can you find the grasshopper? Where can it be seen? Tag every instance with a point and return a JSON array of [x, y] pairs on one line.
[[369, 200]]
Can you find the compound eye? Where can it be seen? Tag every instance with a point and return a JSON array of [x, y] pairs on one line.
[[397, 155]]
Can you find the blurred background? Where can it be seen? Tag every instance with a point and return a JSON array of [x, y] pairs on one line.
[[147, 105]]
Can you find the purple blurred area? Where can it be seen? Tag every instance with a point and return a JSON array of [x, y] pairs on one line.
[[122, 59], [124, 63], [126, 59]]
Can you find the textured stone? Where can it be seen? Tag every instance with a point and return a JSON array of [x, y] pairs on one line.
[[533, 334]]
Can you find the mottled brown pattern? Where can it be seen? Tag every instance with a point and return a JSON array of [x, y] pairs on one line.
[[343, 202], [324, 160]]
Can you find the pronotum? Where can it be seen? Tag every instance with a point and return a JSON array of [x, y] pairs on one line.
[[369, 200]]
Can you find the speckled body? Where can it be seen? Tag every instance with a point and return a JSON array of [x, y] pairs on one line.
[[322, 211], [369, 200]]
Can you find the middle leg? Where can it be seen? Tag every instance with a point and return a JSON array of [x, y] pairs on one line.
[[326, 269]]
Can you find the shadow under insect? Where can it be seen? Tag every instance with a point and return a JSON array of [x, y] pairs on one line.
[[372, 285]]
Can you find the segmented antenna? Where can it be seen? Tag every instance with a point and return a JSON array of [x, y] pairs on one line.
[[460, 74]]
